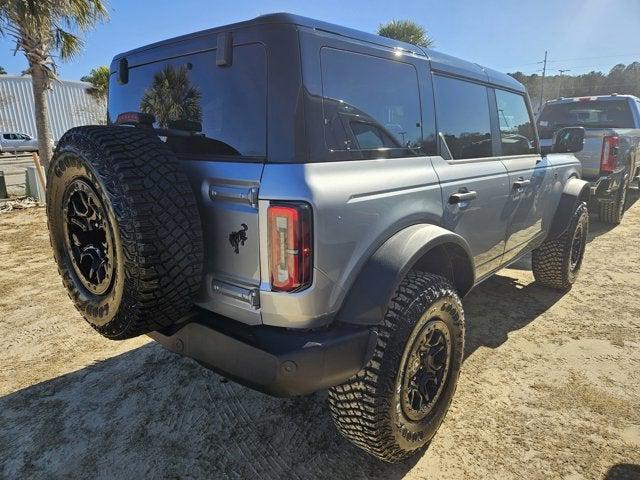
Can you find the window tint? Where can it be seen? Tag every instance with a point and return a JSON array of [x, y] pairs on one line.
[[211, 110], [370, 103], [462, 112], [369, 136], [585, 113], [6, 136], [516, 130]]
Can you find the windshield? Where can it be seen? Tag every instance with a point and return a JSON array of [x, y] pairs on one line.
[[588, 114]]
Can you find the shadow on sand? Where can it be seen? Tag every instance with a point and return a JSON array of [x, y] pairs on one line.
[[150, 413], [623, 471]]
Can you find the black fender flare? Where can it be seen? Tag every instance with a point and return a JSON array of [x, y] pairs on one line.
[[575, 192], [367, 299]]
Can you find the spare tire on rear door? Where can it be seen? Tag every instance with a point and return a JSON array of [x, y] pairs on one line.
[[125, 229]]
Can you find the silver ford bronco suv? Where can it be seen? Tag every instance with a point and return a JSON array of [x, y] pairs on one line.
[[301, 206]]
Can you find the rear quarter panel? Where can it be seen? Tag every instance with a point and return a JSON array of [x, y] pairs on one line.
[[354, 213]]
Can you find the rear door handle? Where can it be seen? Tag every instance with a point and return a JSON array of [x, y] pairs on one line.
[[462, 197], [519, 184]]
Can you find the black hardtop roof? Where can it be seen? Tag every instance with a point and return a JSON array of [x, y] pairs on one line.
[[439, 61]]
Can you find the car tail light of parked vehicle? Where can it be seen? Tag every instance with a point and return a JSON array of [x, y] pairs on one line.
[[609, 156], [290, 251]]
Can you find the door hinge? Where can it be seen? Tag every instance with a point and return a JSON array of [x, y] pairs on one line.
[[235, 194], [251, 296]]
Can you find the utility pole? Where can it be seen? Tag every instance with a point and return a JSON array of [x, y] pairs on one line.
[[544, 71], [560, 81]]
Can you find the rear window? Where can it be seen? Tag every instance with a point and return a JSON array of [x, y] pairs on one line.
[[211, 110], [586, 113], [370, 104]]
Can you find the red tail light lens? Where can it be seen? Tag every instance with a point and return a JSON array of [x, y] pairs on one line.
[[290, 246], [609, 156]]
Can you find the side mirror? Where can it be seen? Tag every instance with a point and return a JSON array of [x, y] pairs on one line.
[[568, 140]]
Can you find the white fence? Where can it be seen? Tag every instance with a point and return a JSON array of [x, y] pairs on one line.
[[69, 106]]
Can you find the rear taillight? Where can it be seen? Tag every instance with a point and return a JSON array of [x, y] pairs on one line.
[[290, 246], [609, 156]]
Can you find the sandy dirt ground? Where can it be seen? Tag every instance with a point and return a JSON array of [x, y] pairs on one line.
[[550, 388]]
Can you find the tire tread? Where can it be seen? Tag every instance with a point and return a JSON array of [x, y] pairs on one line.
[[158, 223]]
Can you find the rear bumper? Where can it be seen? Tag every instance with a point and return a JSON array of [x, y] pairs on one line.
[[276, 361]]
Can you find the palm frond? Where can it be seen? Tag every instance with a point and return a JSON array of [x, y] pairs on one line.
[[45, 29], [68, 44], [406, 31]]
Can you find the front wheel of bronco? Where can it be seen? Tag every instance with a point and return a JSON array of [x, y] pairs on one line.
[[394, 406], [556, 263]]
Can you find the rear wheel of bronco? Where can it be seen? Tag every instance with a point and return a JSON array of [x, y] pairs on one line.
[[612, 212], [556, 263], [395, 405], [125, 229]]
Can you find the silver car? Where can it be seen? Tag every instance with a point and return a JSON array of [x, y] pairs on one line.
[[301, 206], [12, 142]]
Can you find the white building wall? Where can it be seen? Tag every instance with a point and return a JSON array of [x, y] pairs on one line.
[[69, 106]]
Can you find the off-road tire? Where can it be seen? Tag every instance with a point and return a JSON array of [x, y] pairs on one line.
[[552, 262], [367, 409], [149, 213], [612, 212]]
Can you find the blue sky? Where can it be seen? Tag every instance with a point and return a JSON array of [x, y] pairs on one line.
[[580, 35]]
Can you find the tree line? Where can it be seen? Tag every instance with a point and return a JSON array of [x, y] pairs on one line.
[[622, 79]]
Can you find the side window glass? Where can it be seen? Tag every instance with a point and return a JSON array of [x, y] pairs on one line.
[[370, 103], [516, 128], [462, 112]]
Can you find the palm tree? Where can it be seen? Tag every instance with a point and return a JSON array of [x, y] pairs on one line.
[[406, 31], [99, 78], [2, 71], [42, 30], [172, 97]]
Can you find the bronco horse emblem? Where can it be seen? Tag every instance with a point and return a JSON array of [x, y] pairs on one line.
[[238, 238]]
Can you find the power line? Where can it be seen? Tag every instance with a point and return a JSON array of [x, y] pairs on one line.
[[566, 60], [594, 58]]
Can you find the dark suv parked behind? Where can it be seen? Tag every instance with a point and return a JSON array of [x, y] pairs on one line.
[[302, 206]]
